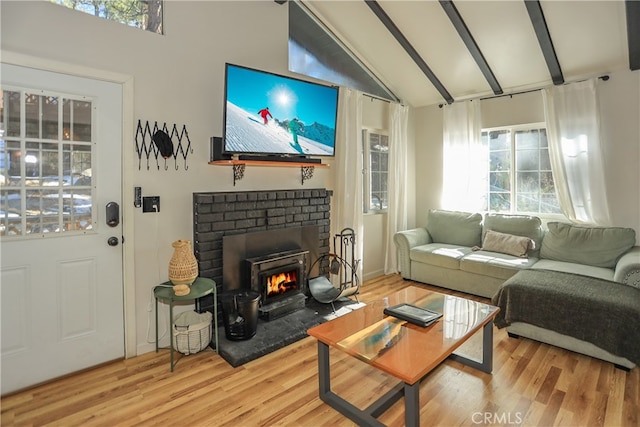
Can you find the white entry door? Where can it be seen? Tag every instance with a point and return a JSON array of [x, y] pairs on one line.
[[61, 250]]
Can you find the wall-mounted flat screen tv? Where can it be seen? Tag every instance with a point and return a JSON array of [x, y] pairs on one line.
[[271, 114]]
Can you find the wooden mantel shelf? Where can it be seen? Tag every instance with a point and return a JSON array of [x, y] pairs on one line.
[[266, 163], [306, 169]]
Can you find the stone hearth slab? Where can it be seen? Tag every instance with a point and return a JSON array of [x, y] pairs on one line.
[[275, 334]]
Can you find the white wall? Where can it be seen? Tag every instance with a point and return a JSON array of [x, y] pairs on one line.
[[428, 162], [375, 231], [620, 125]]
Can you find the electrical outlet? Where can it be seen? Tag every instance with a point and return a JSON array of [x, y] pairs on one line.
[[151, 204]]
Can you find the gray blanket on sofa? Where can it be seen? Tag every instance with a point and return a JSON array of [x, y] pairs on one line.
[[604, 313]]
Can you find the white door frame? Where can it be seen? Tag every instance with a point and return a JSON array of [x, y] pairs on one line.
[[128, 132]]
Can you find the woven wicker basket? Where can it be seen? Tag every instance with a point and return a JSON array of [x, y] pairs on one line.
[[192, 332], [183, 266]]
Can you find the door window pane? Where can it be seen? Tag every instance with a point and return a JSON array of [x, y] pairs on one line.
[[10, 113], [42, 211], [32, 115], [77, 164], [46, 180], [76, 120], [10, 167], [10, 207], [77, 210], [49, 117]]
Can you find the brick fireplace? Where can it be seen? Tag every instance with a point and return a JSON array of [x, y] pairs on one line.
[[220, 215]]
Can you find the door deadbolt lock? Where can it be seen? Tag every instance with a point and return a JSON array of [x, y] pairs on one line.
[[113, 214]]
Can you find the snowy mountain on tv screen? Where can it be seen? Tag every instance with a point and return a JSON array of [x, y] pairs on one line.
[[246, 132]]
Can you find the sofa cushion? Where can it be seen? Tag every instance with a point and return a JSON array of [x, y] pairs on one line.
[[493, 264], [596, 246], [455, 228], [509, 244], [570, 267], [439, 254], [519, 225]]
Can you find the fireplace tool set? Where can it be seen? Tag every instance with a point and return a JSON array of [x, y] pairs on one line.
[[338, 271]]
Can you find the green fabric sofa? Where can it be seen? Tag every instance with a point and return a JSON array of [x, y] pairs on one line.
[[476, 254]]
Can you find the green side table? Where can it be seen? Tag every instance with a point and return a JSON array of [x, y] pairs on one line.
[[200, 288]]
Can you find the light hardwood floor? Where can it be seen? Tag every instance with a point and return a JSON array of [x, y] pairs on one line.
[[532, 384]]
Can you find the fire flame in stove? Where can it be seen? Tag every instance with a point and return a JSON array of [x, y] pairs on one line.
[[280, 283]]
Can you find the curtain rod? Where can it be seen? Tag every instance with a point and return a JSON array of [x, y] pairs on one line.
[[376, 98], [603, 78]]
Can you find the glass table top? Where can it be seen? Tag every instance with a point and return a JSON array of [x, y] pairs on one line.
[[400, 348]]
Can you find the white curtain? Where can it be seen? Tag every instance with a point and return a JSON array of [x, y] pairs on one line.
[[573, 132], [397, 183], [347, 210], [464, 158]]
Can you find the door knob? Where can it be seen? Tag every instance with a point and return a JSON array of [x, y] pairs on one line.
[[112, 241]]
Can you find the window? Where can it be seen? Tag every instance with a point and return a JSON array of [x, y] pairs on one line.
[[45, 163], [143, 14], [376, 161], [520, 178]]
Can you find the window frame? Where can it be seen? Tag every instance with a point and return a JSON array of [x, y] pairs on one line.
[[367, 171], [513, 170]]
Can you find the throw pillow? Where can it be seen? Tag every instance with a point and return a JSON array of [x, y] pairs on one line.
[[596, 246], [455, 228], [519, 225], [509, 244]]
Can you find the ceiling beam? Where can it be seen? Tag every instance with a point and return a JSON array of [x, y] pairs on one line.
[[544, 39], [633, 33], [395, 31], [340, 65], [462, 29]]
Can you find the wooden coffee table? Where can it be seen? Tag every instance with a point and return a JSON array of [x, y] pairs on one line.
[[406, 351]]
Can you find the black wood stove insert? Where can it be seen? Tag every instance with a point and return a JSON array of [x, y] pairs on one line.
[[280, 279]]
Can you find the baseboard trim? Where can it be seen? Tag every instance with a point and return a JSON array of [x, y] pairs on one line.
[[373, 274]]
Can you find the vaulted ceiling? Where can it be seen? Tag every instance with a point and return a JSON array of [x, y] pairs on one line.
[[430, 52]]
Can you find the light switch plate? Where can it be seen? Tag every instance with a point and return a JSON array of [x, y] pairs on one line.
[[137, 197]]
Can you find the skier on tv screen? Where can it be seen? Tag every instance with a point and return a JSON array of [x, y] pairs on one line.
[[265, 113], [295, 126]]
